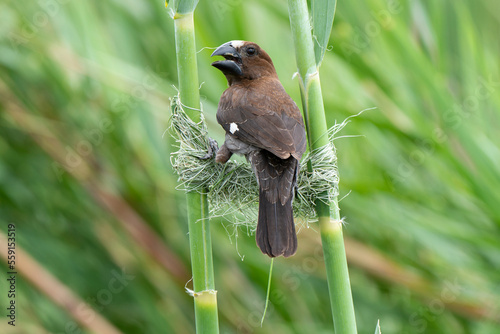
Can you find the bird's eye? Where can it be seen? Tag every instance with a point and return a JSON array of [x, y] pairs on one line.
[[251, 51]]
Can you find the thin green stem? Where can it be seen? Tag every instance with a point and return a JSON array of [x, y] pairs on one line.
[[268, 290], [205, 298], [328, 214]]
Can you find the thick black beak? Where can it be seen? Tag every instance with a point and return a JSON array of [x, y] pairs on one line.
[[232, 64]]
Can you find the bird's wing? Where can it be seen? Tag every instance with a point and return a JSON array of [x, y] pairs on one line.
[[269, 120]]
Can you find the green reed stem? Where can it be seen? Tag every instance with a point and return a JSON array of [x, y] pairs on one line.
[[317, 131], [205, 297]]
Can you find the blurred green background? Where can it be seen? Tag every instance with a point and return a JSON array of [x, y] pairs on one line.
[[85, 174]]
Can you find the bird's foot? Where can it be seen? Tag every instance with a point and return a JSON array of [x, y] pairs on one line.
[[223, 154], [213, 147]]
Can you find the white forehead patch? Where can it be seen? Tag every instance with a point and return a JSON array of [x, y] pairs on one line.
[[237, 44], [233, 127]]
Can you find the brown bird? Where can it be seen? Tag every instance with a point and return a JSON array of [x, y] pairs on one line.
[[264, 124]]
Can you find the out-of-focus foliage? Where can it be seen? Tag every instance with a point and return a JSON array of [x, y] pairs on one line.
[[84, 103]]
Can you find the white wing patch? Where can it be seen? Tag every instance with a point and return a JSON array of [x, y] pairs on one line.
[[233, 127], [237, 44]]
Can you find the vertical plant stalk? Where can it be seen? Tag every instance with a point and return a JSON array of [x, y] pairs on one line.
[[205, 297], [328, 214]]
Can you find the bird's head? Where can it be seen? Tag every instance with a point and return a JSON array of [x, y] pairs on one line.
[[243, 61]]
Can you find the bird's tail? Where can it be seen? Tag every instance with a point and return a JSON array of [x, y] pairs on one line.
[[275, 234]]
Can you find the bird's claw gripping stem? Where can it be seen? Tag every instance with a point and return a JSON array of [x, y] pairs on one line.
[[213, 147]]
